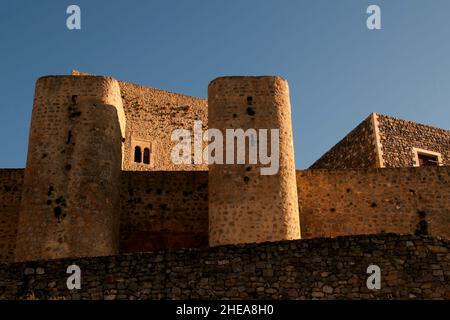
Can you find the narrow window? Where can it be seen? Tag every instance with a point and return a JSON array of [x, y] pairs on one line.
[[147, 156], [137, 154], [427, 160]]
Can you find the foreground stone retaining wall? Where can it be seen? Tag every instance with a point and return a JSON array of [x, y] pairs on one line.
[[411, 267]]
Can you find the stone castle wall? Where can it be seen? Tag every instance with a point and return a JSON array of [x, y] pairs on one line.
[[151, 116], [244, 205], [399, 137], [163, 210], [11, 181], [411, 268], [169, 210], [159, 210], [366, 201], [356, 150]]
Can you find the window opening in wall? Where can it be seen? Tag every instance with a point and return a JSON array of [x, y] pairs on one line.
[[137, 154], [427, 160], [147, 156]]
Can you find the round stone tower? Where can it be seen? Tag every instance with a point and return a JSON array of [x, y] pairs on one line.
[[245, 205], [71, 186]]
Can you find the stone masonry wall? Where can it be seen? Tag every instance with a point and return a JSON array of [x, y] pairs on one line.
[[399, 137], [162, 210], [365, 201], [244, 205], [356, 150], [159, 210], [72, 177], [411, 267], [11, 181], [151, 116], [170, 209]]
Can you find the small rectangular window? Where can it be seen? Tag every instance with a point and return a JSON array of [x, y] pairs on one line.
[[426, 158]]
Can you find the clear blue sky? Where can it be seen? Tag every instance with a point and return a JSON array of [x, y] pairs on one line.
[[339, 71]]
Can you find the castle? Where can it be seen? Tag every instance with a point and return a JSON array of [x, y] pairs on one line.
[[100, 181]]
